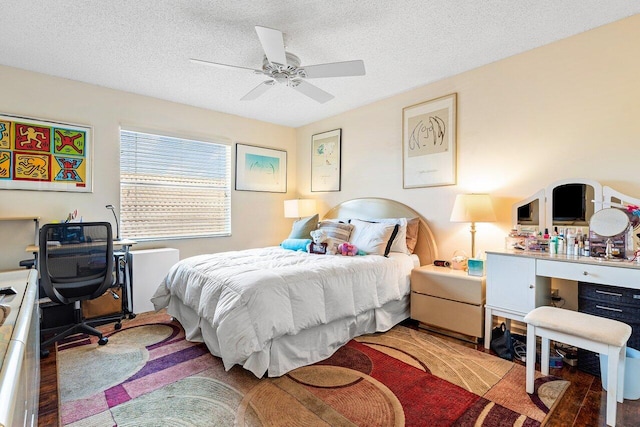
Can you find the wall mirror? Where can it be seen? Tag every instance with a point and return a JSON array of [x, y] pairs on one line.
[[572, 202], [569, 203], [529, 212]]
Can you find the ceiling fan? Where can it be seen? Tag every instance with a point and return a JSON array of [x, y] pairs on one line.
[[284, 68]]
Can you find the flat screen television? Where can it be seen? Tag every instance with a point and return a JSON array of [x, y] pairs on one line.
[[569, 203]]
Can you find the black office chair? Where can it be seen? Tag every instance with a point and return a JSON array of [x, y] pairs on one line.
[[76, 264]]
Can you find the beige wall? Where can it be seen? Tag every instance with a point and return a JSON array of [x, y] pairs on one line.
[[569, 109], [39, 96], [565, 110]]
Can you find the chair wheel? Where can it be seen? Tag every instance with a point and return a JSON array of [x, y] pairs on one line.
[[44, 353], [103, 341], [132, 316], [117, 326]]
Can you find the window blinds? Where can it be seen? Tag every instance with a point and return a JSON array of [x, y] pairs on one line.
[[173, 188]]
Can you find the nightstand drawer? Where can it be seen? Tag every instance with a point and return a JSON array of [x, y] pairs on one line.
[[455, 316], [448, 284]]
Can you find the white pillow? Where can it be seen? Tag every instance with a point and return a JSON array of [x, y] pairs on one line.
[[400, 241], [371, 237]]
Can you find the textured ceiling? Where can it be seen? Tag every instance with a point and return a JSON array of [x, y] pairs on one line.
[[144, 46]]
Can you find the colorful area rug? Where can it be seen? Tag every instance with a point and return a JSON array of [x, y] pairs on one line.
[[149, 375]]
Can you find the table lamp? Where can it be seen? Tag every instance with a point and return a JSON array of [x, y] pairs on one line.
[[473, 208], [298, 208]]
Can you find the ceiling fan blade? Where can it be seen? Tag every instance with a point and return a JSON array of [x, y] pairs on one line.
[[218, 65], [258, 90], [313, 92], [335, 69], [273, 44]]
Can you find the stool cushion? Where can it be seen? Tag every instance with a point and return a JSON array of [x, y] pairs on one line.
[[594, 328]]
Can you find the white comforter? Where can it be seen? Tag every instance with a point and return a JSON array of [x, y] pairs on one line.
[[254, 296]]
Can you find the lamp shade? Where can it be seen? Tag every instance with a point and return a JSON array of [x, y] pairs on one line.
[[299, 208], [473, 208]]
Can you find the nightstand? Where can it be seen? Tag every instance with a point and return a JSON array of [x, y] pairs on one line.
[[448, 299]]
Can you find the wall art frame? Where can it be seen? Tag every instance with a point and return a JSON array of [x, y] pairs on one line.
[[260, 169], [45, 155], [326, 161], [429, 143]]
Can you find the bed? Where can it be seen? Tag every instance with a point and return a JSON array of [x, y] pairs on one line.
[[272, 310]]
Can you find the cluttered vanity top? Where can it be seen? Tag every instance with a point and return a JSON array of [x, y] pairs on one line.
[[632, 264], [578, 221]]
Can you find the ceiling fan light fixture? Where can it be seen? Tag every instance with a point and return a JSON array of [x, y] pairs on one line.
[[293, 63], [284, 68], [282, 78]]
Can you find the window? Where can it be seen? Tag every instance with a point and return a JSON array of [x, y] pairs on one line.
[[173, 187]]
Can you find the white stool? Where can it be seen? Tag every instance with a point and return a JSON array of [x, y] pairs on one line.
[[585, 331]]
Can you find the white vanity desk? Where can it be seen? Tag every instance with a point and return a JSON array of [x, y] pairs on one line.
[[519, 281]]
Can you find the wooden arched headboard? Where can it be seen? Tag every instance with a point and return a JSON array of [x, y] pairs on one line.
[[374, 208]]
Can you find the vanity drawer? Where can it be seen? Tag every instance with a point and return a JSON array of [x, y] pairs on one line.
[[622, 312], [601, 274], [611, 294]]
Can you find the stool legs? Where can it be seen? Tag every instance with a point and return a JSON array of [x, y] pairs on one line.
[[616, 357], [544, 357], [531, 357], [615, 386], [622, 357]]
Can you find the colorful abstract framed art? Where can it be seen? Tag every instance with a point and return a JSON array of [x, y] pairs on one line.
[[44, 155], [261, 169]]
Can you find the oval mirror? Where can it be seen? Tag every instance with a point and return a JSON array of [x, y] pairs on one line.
[[609, 222]]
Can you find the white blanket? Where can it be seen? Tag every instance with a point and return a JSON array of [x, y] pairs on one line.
[[254, 296]]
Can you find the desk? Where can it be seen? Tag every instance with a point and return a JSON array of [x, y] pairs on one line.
[[125, 244], [123, 275], [518, 282], [123, 267]]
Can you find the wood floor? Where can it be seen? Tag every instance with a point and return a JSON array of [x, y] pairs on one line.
[[583, 404], [48, 408]]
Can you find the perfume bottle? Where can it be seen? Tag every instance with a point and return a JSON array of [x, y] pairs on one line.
[[586, 248]]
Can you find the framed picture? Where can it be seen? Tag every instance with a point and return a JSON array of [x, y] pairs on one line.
[[325, 160], [261, 169], [429, 143], [44, 155]]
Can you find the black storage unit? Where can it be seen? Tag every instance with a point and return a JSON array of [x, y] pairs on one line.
[[612, 302]]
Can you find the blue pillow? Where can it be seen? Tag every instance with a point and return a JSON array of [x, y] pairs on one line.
[[295, 244]]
